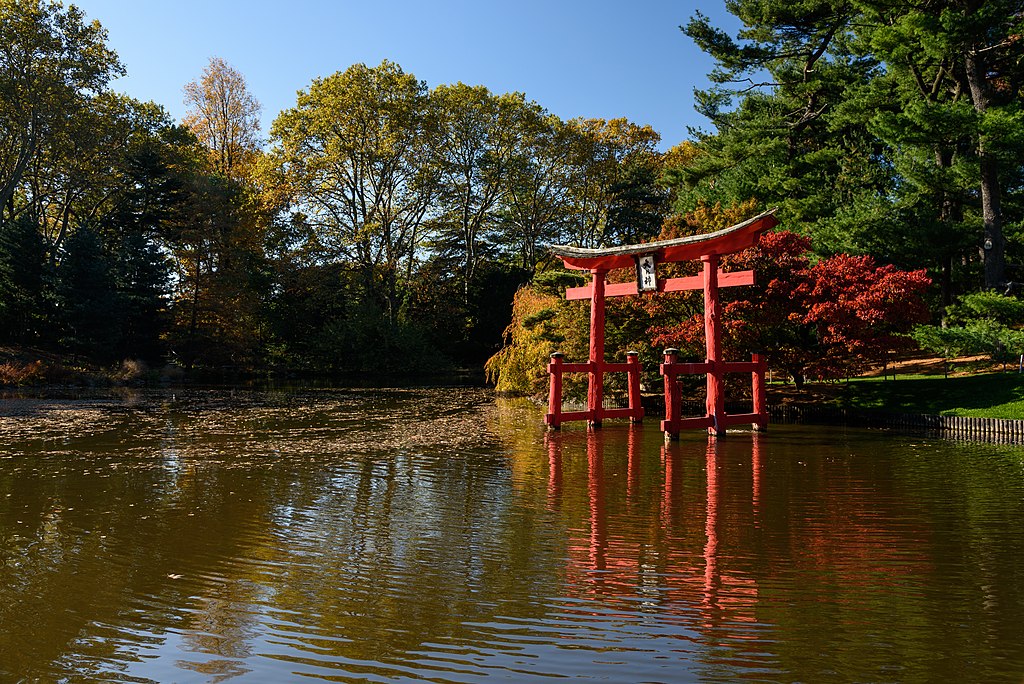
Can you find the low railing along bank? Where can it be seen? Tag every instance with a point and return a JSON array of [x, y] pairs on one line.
[[968, 428]]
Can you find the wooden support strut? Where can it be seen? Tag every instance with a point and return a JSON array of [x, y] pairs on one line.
[[725, 279], [673, 399], [716, 425], [557, 368], [554, 415], [757, 391], [636, 409]]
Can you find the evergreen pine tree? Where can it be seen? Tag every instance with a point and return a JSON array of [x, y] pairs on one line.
[[87, 300], [141, 277], [23, 314]]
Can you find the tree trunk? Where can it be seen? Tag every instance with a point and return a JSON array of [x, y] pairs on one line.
[[946, 285], [950, 211], [193, 325], [25, 155], [392, 294], [993, 245]]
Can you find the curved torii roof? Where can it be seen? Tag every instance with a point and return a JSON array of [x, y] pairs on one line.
[[725, 241]]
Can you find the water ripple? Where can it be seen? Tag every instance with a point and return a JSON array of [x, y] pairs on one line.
[[424, 535]]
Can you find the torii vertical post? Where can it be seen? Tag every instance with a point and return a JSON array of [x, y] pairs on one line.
[[595, 388], [713, 344]]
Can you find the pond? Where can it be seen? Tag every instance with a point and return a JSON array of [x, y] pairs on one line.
[[441, 535]]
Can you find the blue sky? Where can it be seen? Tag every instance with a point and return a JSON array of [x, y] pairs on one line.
[[591, 59]]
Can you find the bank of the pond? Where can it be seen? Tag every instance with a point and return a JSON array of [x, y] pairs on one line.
[[25, 367], [970, 428], [982, 395], [986, 407]]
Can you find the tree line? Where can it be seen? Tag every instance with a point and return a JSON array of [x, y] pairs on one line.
[[886, 128], [890, 136], [382, 224]]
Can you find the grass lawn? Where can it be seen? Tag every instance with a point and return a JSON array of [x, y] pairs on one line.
[[987, 395]]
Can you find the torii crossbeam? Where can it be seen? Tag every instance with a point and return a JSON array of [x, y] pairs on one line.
[[644, 257]]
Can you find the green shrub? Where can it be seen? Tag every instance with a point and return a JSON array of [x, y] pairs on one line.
[[981, 323]]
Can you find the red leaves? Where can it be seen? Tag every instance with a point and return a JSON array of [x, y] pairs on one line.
[[783, 249], [827, 320], [832, 318], [852, 300], [687, 335]]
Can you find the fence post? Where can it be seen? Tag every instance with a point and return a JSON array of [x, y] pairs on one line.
[[636, 409], [554, 416], [760, 405], [672, 396]]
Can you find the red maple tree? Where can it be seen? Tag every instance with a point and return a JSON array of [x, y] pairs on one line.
[[831, 319]]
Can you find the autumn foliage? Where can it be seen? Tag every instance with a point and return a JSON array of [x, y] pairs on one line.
[[542, 322], [830, 319]]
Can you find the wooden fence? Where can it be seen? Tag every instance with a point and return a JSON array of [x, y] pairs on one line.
[[992, 430]]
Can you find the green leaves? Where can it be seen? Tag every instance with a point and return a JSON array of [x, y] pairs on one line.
[[989, 306], [979, 323], [351, 151], [51, 64], [893, 129]]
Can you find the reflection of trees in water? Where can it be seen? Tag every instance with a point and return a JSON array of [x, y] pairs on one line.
[[408, 550], [231, 516], [104, 546], [771, 549], [206, 536]]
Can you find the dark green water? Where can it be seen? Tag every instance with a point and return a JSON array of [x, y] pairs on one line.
[[439, 535]]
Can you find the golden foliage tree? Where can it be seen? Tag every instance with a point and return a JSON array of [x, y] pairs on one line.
[[224, 115]]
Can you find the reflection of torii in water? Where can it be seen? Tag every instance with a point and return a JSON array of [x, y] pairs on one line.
[[713, 574], [645, 257], [600, 553]]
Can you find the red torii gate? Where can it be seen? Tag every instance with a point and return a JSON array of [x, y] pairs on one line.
[[708, 248]]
